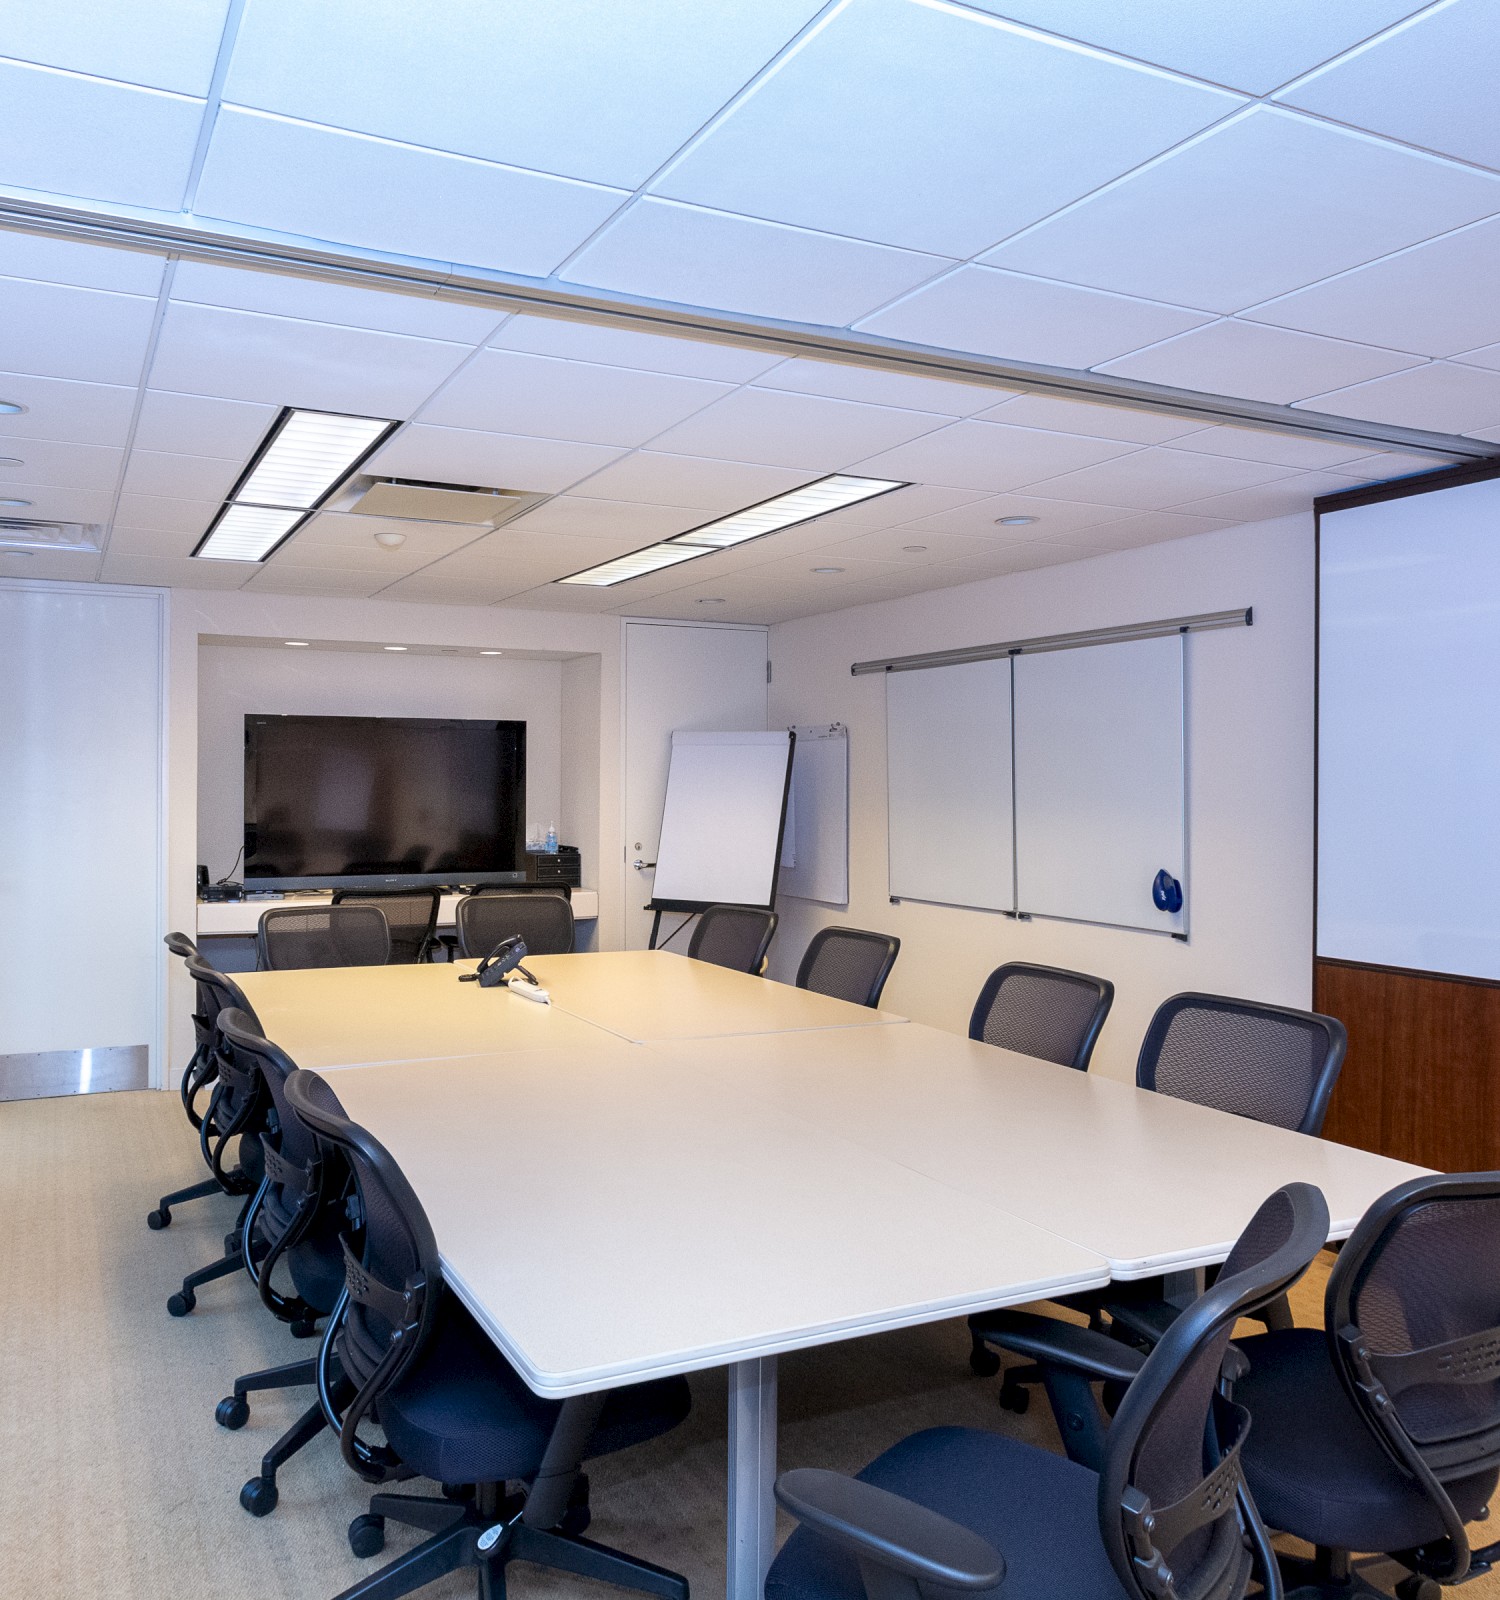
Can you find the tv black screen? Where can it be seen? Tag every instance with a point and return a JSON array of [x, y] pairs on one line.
[[368, 800]]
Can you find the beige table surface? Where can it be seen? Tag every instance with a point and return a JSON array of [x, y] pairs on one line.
[[347, 1016], [656, 994], [1150, 1183]]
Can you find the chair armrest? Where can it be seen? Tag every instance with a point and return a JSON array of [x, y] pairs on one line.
[[888, 1531], [1059, 1344], [1147, 1319]]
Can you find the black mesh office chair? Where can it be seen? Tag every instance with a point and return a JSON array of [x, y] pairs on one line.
[[1165, 1515], [293, 1220], [1269, 1063], [410, 917], [544, 922], [452, 1408], [733, 936], [1047, 1012], [197, 1075], [322, 936], [848, 964], [1383, 1433]]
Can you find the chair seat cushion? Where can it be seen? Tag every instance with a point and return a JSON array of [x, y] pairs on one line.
[[1037, 1509], [1315, 1469], [463, 1414]]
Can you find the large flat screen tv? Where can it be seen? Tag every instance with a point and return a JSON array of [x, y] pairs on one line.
[[375, 801]]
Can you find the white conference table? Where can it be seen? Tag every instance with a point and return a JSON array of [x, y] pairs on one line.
[[699, 1168]]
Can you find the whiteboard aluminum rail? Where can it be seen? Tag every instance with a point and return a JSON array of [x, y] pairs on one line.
[[1204, 622]]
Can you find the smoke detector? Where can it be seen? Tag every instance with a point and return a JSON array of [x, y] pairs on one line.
[[412, 500]]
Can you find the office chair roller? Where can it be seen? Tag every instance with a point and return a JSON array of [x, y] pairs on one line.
[[410, 917], [848, 964], [543, 921], [322, 936], [452, 1408], [737, 937], [1164, 1513]]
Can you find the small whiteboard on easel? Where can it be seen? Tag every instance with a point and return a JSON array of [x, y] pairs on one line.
[[815, 850]]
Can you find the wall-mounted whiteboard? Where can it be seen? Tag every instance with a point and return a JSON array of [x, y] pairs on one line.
[[721, 819], [1100, 802], [815, 845], [948, 774]]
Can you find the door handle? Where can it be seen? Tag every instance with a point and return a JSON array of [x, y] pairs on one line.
[[642, 866]]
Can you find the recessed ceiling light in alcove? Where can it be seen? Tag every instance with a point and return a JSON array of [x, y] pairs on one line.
[[295, 644], [396, 647], [1015, 522]]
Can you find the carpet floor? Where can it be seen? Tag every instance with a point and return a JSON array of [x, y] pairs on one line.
[[114, 1477]]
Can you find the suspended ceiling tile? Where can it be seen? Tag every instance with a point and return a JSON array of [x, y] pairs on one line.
[[1020, 558], [79, 466], [96, 139], [1392, 464], [66, 412], [1254, 48], [505, 391], [176, 572], [1434, 299], [81, 266], [1154, 527], [910, 548], [165, 515], [660, 479], [490, 460], [53, 565], [559, 552], [283, 295], [66, 504], [368, 560], [794, 430], [466, 591], [1019, 318], [1431, 83], [83, 334], [931, 127], [624, 347], [356, 190], [1443, 396], [170, 44], [985, 455], [594, 89], [1281, 499], [180, 477], [1252, 362], [1092, 420], [1157, 478], [1263, 204], [1053, 518], [843, 381], [198, 425], [427, 540], [1281, 449], [158, 543], [242, 355], [579, 516], [695, 256], [308, 580], [1488, 357]]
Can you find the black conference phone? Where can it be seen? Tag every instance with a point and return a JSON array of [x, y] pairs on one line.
[[498, 965]]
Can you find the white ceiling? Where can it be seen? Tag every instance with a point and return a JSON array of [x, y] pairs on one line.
[[1279, 202]]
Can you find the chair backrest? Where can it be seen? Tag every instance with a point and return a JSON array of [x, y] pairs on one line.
[[849, 964], [393, 1276], [410, 917], [238, 1106], [1412, 1314], [199, 1071], [1173, 1510], [733, 936], [1047, 1012], [180, 945], [322, 936], [544, 922], [1269, 1063]]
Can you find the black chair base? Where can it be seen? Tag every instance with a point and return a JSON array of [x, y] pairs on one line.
[[182, 1303], [1329, 1575], [487, 1534], [162, 1216], [260, 1494]]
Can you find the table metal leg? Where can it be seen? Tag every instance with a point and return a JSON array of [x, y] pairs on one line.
[[752, 1473], [1180, 1289]]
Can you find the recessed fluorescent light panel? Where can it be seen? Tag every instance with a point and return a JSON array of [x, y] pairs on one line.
[[304, 458], [770, 516]]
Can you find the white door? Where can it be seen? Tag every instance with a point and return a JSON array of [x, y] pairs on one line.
[[704, 680], [80, 794]]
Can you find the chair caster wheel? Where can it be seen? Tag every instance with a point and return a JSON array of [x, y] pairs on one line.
[[181, 1303], [259, 1497], [305, 1328], [983, 1362], [1417, 1587], [232, 1412], [1015, 1397], [367, 1536], [159, 1219]]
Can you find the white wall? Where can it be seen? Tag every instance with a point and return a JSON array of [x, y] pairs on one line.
[[1250, 776], [234, 682]]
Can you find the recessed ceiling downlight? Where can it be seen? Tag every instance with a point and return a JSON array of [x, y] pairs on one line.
[[390, 540], [492, 652], [295, 644], [1015, 522], [11, 408], [14, 503], [397, 647], [821, 571], [711, 600]]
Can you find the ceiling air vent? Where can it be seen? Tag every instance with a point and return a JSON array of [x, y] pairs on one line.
[[24, 533], [411, 500]]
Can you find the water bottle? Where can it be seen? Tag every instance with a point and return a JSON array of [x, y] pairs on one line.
[[551, 838]]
